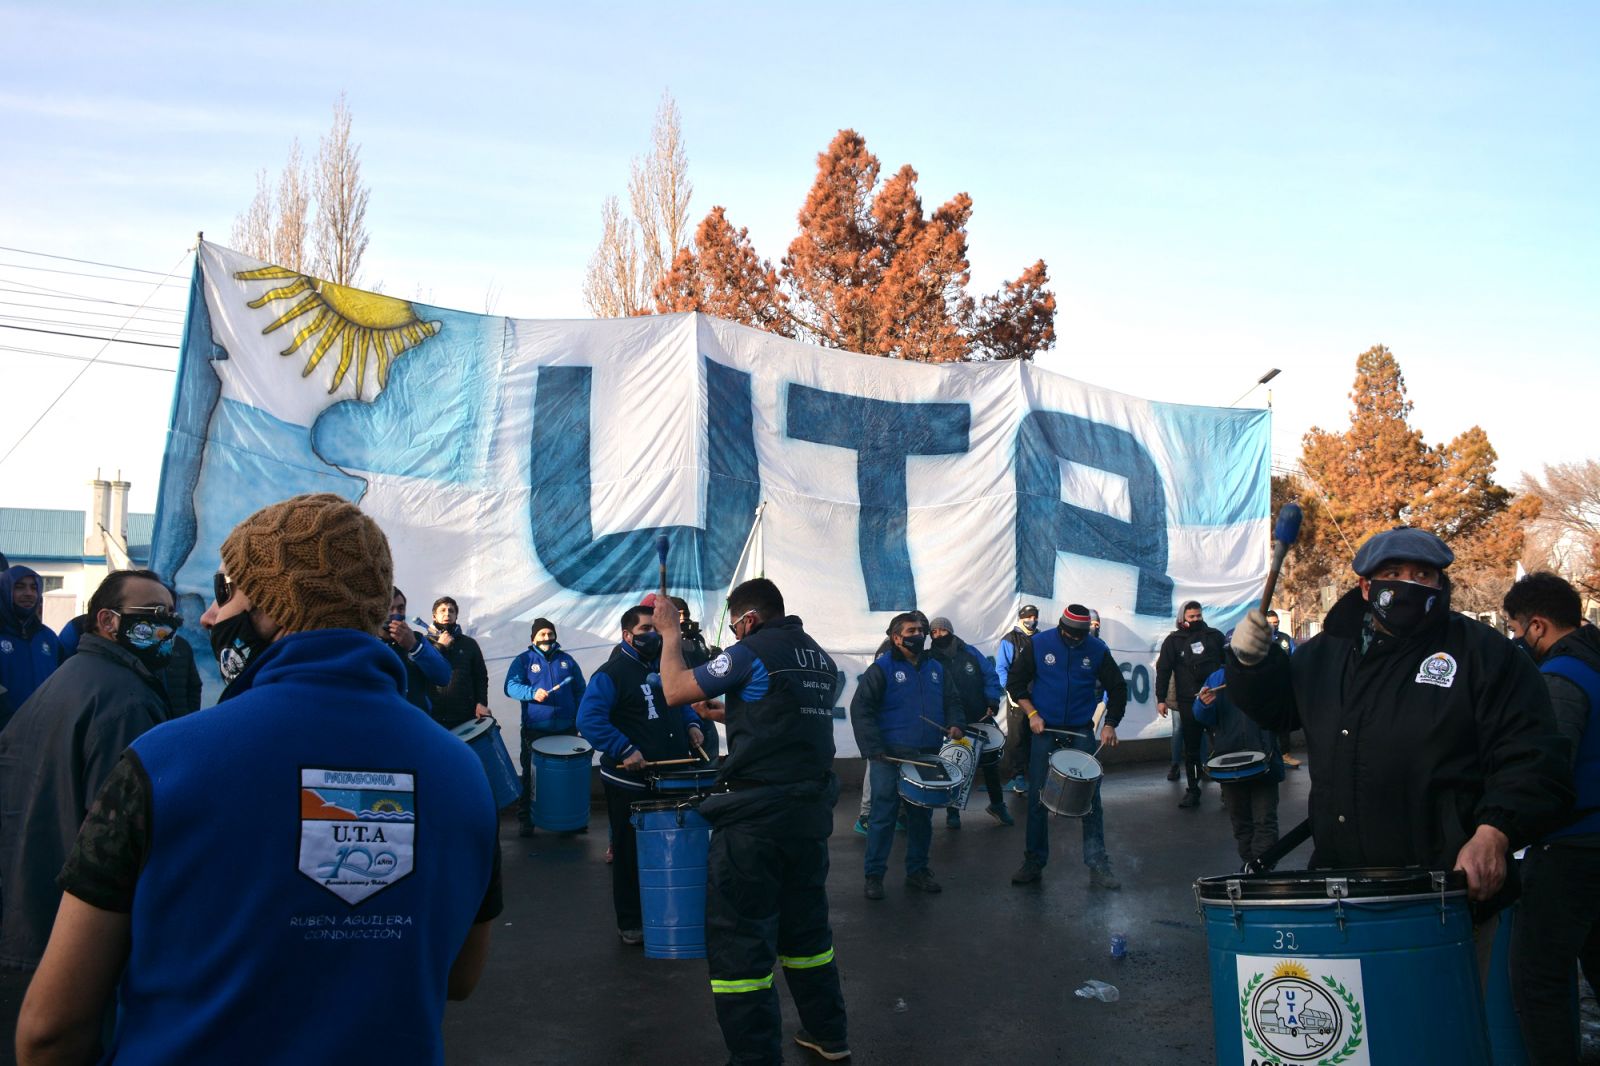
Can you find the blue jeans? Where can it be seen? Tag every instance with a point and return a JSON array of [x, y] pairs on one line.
[[885, 781], [1094, 827]]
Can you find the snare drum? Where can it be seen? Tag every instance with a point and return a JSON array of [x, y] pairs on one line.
[[934, 785], [1237, 766], [694, 779], [1069, 789], [989, 740]]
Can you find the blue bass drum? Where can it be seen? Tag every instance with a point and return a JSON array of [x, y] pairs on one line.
[[1348, 966], [674, 843], [482, 735], [561, 782]]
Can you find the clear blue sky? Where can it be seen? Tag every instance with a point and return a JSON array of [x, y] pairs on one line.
[[1217, 188]]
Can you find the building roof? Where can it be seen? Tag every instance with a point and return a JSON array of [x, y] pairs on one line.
[[38, 534]]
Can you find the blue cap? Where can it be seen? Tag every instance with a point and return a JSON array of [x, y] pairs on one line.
[[1402, 543]]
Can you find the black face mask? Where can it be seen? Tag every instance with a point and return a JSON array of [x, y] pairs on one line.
[[1405, 607], [943, 643], [546, 646], [1073, 637], [648, 645], [1030, 625], [234, 641], [149, 636], [914, 644]]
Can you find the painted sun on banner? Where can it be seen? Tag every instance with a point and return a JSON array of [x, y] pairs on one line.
[[527, 467]]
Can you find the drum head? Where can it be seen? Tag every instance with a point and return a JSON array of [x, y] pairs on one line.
[[1313, 885], [562, 747], [1237, 760], [1077, 765], [938, 773], [992, 737], [470, 731]]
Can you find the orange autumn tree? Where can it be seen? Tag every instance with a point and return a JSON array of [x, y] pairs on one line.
[[870, 271], [1381, 473]]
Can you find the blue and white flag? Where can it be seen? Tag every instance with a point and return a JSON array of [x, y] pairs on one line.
[[525, 468]]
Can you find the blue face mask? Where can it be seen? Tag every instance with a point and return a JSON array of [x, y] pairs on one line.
[[648, 645]]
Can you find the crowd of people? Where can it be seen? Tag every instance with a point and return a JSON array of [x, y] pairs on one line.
[[1433, 741]]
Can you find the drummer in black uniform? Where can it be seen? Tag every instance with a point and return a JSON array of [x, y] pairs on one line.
[[767, 871], [627, 717], [1431, 737]]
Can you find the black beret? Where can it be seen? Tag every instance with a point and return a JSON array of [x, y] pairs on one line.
[[1402, 543]]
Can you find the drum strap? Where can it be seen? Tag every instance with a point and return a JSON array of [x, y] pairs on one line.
[[1286, 843]]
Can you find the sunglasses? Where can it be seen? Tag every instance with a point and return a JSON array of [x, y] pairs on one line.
[[221, 588], [151, 624]]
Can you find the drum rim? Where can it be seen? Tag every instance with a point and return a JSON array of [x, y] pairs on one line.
[[587, 749], [1366, 884], [661, 805], [1260, 758], [1050, 764]]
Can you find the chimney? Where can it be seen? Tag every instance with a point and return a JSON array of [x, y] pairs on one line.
[[118, 510], [98, 514]]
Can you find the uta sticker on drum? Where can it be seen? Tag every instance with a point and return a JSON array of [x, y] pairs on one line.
[[1302, 1010]]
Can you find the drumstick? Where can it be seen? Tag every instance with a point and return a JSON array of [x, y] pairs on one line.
[[669, 762], [1067, 733], [936, 725], [702, 752], [913, 762], [1284, 534]]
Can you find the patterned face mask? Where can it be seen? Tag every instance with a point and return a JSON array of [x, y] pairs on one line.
[[148, 632]]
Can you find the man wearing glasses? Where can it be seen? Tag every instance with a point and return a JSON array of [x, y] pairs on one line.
[[61, 746]]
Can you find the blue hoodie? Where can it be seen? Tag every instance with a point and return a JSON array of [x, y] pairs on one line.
[[29, 650], [534, 670]]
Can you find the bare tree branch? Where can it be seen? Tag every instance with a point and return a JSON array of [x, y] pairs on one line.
[[611, 289], [252, 230], [341, 233], [293, 223]]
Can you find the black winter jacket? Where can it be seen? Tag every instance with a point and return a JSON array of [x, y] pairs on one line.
[[1413, 743], [1180, 663]]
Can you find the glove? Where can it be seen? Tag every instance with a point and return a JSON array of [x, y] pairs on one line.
[[1251, 638]]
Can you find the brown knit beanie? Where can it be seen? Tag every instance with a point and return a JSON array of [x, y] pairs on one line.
[[313, 562]]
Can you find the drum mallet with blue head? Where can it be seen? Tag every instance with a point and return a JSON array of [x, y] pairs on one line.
[[661, 559], [1284, 533]]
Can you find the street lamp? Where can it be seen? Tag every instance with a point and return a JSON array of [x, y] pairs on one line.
[[1271, 373]]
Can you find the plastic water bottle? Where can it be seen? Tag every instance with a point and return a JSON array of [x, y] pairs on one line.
[[1098, 990], [1119, 945]]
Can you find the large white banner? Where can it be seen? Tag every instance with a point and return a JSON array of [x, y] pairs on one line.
[[526, 467]]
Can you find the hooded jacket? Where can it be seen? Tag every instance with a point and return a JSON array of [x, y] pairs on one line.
[[54, 756], [1414, 742], [29, 650]]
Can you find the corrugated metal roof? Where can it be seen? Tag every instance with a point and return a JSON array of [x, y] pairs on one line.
[[42, 533]]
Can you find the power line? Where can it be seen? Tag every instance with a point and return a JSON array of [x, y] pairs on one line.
[[88, 337], [57, 294], [88, 262], [68, 322], [86, 359], [81, 311], [155, 288], [102, 277]]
